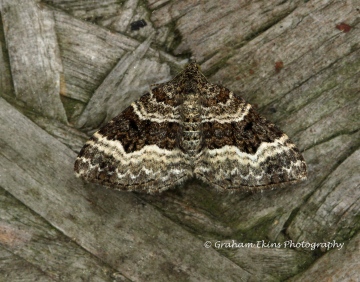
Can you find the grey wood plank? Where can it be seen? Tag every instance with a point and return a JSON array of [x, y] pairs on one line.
[[305, 52], [14, 268], [34, 56], [114, 15], [336, 265], [86, 68], [6, 87], [333, 210], [87, 10], [209, 26], [35, 242]]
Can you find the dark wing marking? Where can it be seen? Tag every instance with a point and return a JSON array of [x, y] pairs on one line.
[[139, 149], [241, 149]]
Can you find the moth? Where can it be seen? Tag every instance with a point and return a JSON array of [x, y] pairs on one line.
[[186, 128]]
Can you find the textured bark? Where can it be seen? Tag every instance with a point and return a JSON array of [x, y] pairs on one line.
[[297, 61]]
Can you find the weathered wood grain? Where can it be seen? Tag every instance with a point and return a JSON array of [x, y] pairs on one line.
[[336, 265], [6, 86], [314, 98], [86, 68], [35, 242], [333, 209], [88, 10], [14, 268], [34, 56], [116, 16], [214, 30]]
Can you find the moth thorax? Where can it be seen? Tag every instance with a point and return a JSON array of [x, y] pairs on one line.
[[191, 117]]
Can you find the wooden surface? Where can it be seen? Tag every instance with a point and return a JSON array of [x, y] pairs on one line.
[[66, 67]]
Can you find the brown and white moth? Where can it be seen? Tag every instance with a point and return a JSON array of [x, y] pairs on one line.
[[186, 128]]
